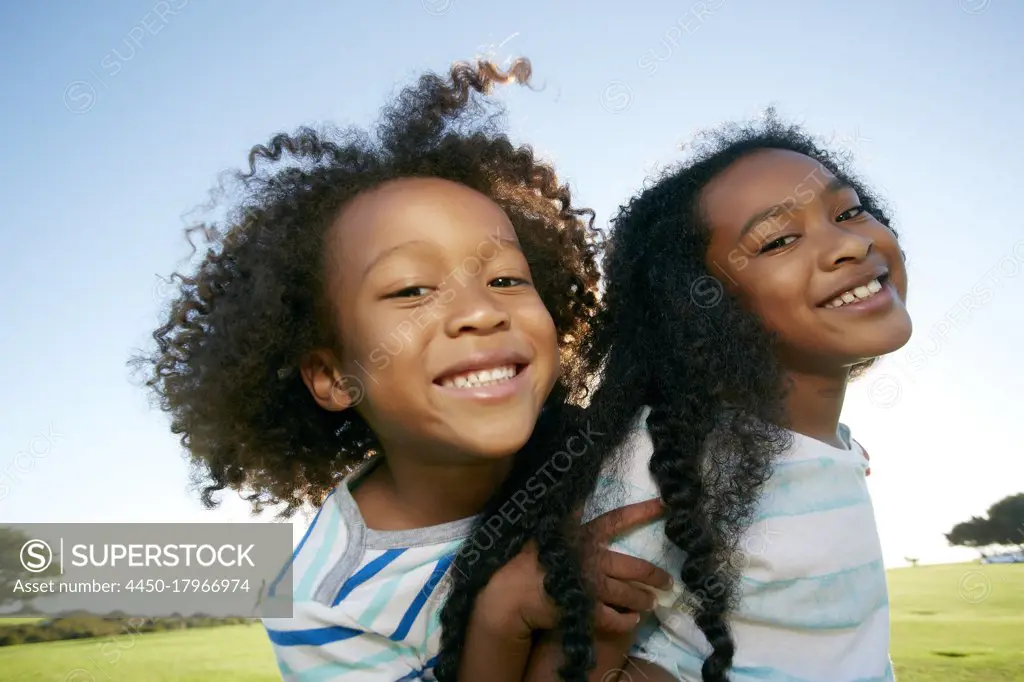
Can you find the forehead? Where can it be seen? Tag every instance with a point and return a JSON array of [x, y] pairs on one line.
[[759, 181], [444, 214]]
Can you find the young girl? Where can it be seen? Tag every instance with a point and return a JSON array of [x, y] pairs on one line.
[[744, 290], [377, 332]]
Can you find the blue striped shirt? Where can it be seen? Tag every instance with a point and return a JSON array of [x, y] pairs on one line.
[[813, 603], [366, 602]]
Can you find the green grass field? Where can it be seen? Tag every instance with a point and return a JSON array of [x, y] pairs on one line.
[[236, 653], [18, 621], [955, 623], [958, 623]]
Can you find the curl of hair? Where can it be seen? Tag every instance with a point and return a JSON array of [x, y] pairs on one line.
[[239, 325], [714, 390]]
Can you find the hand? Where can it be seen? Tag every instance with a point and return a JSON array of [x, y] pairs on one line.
[[516, 603], [613, 575], [868, 458]]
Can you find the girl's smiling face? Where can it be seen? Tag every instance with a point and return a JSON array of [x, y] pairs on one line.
[[795, 245], [440, 323]]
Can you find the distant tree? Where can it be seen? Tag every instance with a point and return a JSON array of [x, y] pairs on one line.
[[1003, 526], [11, 569], [976, 532], [912, 561], [1007, 520]]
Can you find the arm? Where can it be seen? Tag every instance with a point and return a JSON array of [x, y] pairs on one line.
[[515, 604], [330, 644]]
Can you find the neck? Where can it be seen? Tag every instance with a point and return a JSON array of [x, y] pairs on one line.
[[418, 491], [814, 403]]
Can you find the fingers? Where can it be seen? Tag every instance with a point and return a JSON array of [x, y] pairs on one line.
[[624, 567], [610, 621], [622, 595], [616, 521]]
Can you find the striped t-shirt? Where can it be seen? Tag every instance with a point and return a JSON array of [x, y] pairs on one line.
[[366, 602], [813, 601]]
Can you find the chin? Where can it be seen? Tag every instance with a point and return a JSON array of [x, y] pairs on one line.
[[496, 438], [879, 342], [895, 333]]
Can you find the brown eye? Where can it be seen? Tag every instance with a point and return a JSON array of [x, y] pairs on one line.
[[411, 292], [506, 282], [777, 244], [850, 214]]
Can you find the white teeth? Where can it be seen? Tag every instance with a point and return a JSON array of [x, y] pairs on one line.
[[856, 294], [483, 377]]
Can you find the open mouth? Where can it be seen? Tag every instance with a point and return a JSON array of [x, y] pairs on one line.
[[481, 377], [859, 293]]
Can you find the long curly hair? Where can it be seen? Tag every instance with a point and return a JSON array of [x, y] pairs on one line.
[[715, 393], [225, 358]]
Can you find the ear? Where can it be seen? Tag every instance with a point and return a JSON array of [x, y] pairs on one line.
[[329, 386]]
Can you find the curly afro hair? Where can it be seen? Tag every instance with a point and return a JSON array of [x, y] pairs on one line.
[[713, 386], [256, 305]]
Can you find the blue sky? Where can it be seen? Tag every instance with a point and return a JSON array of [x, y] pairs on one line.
[[119, 120]]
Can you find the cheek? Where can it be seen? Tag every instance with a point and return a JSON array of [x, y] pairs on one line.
[[898, 274], [386, 341], [537, 325], [889, 247], [776, 318], [773, 295]]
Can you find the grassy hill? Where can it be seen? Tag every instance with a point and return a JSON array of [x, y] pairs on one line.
[[953, 623], [958, 623]]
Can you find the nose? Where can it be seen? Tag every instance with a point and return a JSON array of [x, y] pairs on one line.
[[473, 312], [845, 246]]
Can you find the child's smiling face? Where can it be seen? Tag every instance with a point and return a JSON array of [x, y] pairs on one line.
[[791, 241], [438, 320]]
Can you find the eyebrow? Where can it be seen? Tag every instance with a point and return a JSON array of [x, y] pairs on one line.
[[387, 253], [833, 186]]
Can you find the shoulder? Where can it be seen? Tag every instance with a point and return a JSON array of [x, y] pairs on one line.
[[625, 478], [632, 456], [855, 445], [332, 537]]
